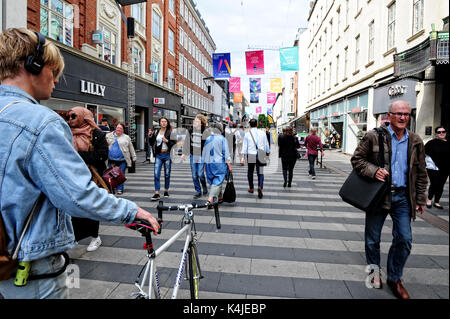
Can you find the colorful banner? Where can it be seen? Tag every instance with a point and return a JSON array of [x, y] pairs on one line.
[[258, 109], [276, 85], [271, 98], [222, 65], [289, 59], [254, 98], [255, 85], [269, 110], [255, 62], [237, 97], [235, 85]]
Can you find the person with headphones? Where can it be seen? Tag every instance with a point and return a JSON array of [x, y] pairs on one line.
[[43, 180]]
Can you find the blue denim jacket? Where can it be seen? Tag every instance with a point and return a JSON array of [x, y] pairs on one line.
[[37, 155]]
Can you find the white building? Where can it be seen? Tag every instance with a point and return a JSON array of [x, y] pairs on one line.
[[351, 77]]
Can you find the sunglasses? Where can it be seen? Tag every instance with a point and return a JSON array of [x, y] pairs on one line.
[[441, 132], [73, 116]]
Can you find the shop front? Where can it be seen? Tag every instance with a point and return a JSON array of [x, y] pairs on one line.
[[102, 88]]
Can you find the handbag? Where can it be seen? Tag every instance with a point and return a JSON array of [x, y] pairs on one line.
[[229, 195], [363, 192], [260, 154], [113, 177], [132, 169]]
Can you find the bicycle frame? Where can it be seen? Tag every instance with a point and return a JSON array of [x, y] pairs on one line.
[[150, 269]]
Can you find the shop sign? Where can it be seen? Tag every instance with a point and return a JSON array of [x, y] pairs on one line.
[[322, 117], [396, 90], [356, 109], [336, 114], [92, 88], [159, 100]]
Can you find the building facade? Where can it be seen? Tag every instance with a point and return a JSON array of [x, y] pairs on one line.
[[351, 79]]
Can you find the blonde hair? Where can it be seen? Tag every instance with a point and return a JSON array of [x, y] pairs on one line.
[[202, 119], [16, 44]]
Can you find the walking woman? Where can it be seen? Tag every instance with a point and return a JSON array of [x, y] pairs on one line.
[[217, 159], [162, 144], [287, 151], [90, 143], [438, 165], [121, 151], [197, 143]]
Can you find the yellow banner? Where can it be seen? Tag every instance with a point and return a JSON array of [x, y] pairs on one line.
[[276, 85]]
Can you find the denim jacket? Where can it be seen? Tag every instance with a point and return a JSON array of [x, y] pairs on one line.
[[37, 155]]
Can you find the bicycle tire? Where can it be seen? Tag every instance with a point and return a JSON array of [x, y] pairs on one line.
[[194, 272]]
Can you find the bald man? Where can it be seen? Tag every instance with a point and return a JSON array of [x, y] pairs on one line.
[[405, 172]]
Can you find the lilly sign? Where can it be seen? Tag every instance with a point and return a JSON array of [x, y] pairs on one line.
[[222, 65]]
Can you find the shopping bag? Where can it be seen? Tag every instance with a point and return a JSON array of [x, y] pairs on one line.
[[229, 195]]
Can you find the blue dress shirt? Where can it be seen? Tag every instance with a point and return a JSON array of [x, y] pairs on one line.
[[399, 158]]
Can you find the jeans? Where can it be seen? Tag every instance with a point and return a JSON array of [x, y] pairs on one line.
[[160, 159], [311, 160], [50, 288], [401, 232], [123, 167], [198, 174], [251, 169]]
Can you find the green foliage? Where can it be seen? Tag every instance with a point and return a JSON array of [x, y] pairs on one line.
[[263, 122]]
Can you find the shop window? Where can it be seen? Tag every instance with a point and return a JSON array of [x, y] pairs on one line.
[[159, 112], [56, 20], [114, 115]]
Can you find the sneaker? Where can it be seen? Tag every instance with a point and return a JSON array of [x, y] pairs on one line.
[[156, 197], [94, 244], [314, 177], [197, 195], [166, 194], [375, 280]]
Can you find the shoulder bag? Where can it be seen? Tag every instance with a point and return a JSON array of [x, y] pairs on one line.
[[229, 195], [363, 192], [260, 154]]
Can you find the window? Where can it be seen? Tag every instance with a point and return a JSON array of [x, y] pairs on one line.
[[181, 36], [138, 61], [171, 79], [137, 12], [418, 16], [347, 11], [371, 41], [182, 8], [171, 40], [391, 27], [338, 23], [345, 62], [156, 25], [337, 69], [172, 6], [57, 20], [329, 76], [109, 49], [155, 75], [357, 51], [180, 64]]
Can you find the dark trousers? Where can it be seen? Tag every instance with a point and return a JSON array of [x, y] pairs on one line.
[[311, 160], [251, 169], [437, 182], [288, 169]]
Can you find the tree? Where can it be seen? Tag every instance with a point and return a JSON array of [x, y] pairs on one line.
[[262, 121]]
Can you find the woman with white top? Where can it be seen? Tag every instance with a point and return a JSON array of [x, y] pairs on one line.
[[162, 144]]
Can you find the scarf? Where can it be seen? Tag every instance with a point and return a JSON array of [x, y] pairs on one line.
[[82, 127]]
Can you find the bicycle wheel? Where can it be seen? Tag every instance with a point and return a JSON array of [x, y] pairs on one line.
[[194, 272]]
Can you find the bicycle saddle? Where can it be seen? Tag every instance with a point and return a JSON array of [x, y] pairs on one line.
[[141, 226]]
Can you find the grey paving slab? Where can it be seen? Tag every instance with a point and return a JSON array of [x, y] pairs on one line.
[[320, 289]]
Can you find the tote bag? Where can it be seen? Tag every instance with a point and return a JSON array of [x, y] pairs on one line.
[[363, 192], [229, 195]]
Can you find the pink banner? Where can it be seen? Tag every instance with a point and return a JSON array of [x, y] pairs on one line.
[[235, 85], [255, 62], [271, 98], [258, 109]]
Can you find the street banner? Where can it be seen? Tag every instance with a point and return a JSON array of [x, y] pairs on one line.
[[254, 97], [235, 84], [276, 85], [289, 59], [255, 85], [269, 110], [258, 109], [255, 62], [237, 97], [222, 65], [271, 98]]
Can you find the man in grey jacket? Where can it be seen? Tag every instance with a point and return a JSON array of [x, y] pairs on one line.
[[405, 172]]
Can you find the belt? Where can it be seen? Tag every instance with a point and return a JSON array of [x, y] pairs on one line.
[[164, 151], [396, 189]]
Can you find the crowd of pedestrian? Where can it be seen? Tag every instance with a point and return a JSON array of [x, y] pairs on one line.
[[57, 164]]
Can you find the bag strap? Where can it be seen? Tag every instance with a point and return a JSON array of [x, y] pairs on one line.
[[380, 146], [27, 224], [9, 104], [256, 145]]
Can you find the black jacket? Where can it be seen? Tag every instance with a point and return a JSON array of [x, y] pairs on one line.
[[288, 145], [99, 155], [157, 149]]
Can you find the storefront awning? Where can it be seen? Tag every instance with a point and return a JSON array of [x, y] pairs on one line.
[[412, 61]]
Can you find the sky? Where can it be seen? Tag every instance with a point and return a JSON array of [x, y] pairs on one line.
[[236, 25]]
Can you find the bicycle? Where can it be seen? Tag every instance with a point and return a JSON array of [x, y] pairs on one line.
[[189, 251]]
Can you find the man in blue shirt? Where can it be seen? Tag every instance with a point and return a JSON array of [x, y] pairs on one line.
[[405, 171]]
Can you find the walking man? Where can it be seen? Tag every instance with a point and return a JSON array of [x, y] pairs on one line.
[[255, 140], [405, 172], [312, 141]]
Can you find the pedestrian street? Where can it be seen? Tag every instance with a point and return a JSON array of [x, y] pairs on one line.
[[298, 242]]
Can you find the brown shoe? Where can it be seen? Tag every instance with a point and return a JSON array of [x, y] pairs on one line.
[[250, 190], [397, 288]]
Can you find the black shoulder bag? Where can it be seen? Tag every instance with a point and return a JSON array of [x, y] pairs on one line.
[[364, 192]]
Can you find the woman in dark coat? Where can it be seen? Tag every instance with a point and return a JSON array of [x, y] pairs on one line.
[[288, 144], [439, 166], [90, 142]]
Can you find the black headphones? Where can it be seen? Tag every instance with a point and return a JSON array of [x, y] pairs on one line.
[[34, 63]]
